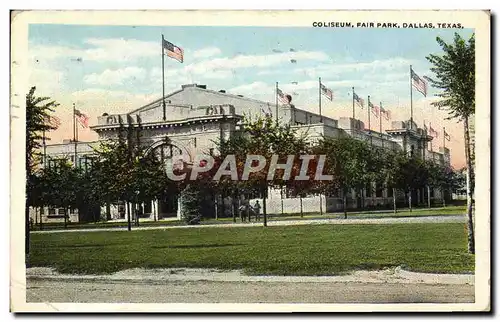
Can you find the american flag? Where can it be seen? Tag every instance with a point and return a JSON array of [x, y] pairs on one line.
[[173, 51], [359, 100], [446, 136], [327, 92], [418, 83], [386, 113], [53, 121], [433, 132], [375, 109], [82, 118], [282, 97]]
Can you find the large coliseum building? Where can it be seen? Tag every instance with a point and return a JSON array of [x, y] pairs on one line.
[[195, 118]]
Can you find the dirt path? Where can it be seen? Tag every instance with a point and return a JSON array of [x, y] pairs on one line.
[[370, 221], [185, 285], [55, 291]]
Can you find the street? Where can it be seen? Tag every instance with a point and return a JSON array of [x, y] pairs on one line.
[[54, 291]]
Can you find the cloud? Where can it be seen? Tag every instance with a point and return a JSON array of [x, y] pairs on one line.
[[42, 53], [116, 77], [368, 67], [47, 80], [252, 61], [102, 50], [119, 49], [251, 88], [206, 52]]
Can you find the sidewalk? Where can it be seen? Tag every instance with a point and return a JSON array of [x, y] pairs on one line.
[[370, 221], [388, 275]]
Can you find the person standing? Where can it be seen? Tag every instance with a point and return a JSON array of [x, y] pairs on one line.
[[256, 209]]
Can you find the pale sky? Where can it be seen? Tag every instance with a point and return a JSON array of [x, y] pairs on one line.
[[115, 69]]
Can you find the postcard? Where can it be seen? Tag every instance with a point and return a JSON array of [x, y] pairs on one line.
[[250, 161]]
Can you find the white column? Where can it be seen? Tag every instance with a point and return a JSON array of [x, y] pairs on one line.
[[154, 209], [179, 206], [126, 211]]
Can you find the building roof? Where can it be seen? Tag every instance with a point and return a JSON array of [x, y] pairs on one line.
[[201, 88]]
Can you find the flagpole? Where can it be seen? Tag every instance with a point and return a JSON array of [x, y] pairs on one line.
[[320, 116], [74, 132], [353, 113], [44, 149], [276, 101], [432, 137], [411, 101], [444, 139], [369, 123], [427, 143], [163, 78], [380, 123]]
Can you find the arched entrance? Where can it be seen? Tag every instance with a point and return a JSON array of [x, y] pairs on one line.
[[167, 204]]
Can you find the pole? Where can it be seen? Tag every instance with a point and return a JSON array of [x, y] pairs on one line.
[[380, 124], [353, 113], [411, 101], [320, 116], [75, 129], [369, 124], [44, 156], [276, 101], [432, 138], [444, 139], [163, 78], [369, 107]]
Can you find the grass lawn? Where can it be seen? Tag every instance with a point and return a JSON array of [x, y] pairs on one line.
[[285, 250]]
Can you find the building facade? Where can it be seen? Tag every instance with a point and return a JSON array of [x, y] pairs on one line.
[[194, 119]]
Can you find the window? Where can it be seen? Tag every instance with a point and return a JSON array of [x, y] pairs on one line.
[[52, 211], [389, 192]]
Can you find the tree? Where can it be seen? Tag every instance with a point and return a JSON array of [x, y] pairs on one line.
[[263, 136], [37, 116], [62, 186], [455, 78], [349, 161]]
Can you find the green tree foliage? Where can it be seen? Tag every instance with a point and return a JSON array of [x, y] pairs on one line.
[[192, 206], [38, 111], [351, 161], [266, 137], [455, 77]]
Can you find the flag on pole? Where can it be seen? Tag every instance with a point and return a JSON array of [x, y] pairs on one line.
[[53, 121], [327, 92], [433, 132], [173, 51], [446, 136], [82, 118], [418, 83], [386, 113], [359, 100], [282, 97], [375, 109]]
